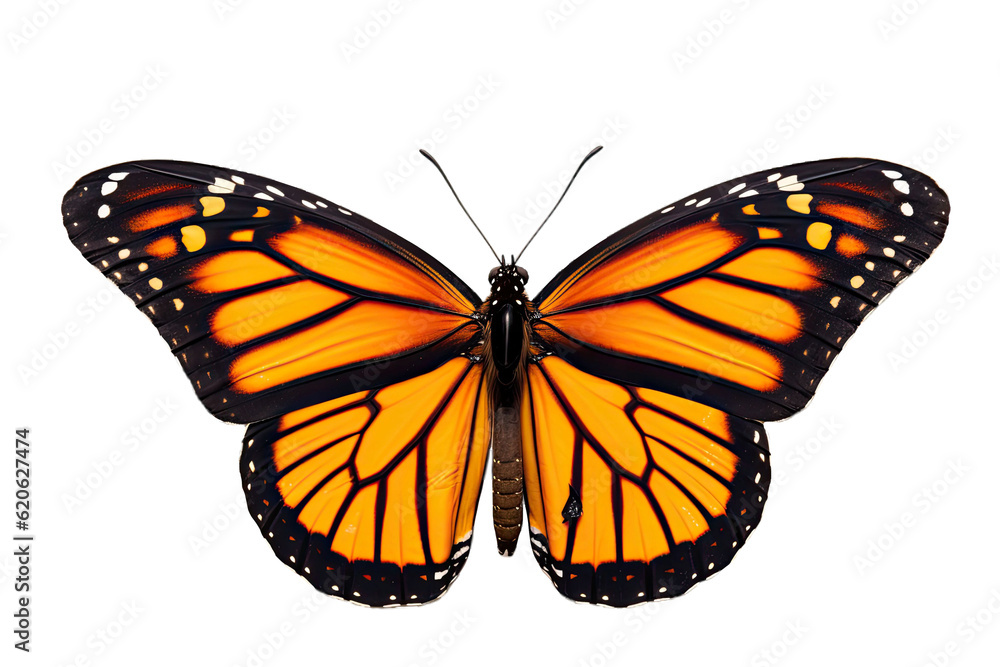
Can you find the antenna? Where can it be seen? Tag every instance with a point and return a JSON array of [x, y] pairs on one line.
[[583, 162], [445, 177]]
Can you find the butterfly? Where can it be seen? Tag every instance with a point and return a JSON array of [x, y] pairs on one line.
[[623, 405]]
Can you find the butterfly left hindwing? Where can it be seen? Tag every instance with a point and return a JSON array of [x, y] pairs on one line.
[[372, 496]]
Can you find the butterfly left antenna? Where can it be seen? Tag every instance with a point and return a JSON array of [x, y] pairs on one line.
[[445, 177]]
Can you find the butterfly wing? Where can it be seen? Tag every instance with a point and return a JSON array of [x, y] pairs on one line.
[[364, 521], [634, 494], [348, 350], [658, 353], [742, 295], [271, 298]]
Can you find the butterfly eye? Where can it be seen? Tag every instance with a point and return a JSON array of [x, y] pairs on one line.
[[494, 273], [522, 274]]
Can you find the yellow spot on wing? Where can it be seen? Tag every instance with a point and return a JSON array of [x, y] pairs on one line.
[[178, 304], [750, 209], [768, 233], [857, 281], [261, 212], [835, 301], [193, 237], [155, 283], [818, 235], [799, 203], [212, 205], [242, 235]]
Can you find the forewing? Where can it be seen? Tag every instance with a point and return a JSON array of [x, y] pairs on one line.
[[741, 296], [372, 496], [271, 298]]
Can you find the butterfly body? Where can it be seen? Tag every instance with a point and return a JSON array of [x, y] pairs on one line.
[[623, 404], [508, 339]]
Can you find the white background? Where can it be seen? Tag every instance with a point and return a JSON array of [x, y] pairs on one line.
[[870, 551]]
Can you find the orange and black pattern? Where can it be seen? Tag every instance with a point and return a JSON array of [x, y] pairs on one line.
[[741, 296], [659, 351], [347, 349], [372, 496], [366, 370], [666, 489], [272, 299]]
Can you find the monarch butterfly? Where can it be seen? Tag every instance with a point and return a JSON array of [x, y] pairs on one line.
[[623, 403]]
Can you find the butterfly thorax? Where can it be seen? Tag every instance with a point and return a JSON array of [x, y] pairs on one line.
[[506, 314]]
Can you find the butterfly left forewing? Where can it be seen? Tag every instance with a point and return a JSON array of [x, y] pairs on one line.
[[271, 298]]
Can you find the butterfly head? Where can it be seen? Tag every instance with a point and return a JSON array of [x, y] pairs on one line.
[[507, 282]]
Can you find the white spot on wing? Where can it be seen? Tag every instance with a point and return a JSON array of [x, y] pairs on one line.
[[222, 186], [108, 188], [790, 184], [104, 211]]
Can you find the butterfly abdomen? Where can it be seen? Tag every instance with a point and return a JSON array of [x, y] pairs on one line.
[[507, 354], [508, 480]]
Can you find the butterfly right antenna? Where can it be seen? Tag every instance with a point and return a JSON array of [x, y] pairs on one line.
[[583, 162]]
